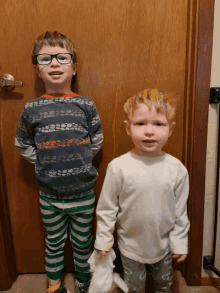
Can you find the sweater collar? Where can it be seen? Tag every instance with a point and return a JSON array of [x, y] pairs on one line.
[[59, 95]]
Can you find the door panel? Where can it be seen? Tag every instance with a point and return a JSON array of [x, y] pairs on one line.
[[123, 47]]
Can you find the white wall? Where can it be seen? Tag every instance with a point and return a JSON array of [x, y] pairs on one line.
[[211, 157]]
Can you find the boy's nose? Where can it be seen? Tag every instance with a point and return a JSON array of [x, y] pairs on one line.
[[54, 62], [148, 129]]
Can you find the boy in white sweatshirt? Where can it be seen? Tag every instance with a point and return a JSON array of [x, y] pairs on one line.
[[145, 192]]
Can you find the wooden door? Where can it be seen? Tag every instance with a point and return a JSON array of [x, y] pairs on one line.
[[123, 47]]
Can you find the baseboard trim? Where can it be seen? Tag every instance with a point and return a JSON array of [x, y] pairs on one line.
[[210, 281]]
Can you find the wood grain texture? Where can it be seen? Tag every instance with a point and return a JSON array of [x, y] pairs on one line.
[[199, 56], [8, 270], [123, 47]]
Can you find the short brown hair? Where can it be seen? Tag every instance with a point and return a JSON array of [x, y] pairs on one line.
[[151, 97], [52, 39]]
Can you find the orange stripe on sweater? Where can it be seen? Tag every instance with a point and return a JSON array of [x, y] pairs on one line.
[[59, 95], [62, 143]]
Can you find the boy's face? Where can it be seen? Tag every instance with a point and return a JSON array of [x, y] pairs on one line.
[[57, 77], [149, 130]]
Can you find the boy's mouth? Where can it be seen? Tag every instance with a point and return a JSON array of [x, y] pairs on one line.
[[55, 73], [149, 141]]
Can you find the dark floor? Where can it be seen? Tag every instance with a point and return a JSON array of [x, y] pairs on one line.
[[36, 283]]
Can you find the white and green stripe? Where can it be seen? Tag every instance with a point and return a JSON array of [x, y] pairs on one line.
[[59, 216]]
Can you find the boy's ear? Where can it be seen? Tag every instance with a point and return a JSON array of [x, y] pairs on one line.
[[127, 127], [37, 70], [74, 68], [172, 124]]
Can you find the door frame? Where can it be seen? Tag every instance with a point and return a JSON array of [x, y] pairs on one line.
[[197, 91], [8, 269], [197, 87]]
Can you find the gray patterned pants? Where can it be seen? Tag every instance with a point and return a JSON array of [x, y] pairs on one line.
[[135, 274]]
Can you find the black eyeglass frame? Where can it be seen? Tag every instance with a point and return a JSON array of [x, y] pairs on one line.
[[54, 56]]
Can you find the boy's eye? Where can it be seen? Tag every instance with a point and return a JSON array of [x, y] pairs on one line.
[[42, 58], [45, 59], [139, 123], [160, 124], [62, 57]]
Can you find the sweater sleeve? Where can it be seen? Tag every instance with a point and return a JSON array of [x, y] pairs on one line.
[[24, 140], [95, 131], [107, 210], [179, 235]]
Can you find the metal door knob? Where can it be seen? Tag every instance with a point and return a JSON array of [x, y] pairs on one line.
[[8, 83]]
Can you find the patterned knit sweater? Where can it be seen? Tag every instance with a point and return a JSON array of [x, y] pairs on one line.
[[61, 135]]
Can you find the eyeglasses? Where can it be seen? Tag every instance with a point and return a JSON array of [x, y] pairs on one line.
[[46, 59]]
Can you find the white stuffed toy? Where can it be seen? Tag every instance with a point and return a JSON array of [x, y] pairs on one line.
[[103, 279]]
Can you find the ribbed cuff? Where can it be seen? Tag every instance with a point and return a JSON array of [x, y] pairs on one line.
[[54, 275]]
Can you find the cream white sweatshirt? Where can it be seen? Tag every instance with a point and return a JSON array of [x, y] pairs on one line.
[[147, 198]]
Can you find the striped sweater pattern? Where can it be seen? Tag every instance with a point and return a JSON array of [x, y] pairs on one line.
[[61, 136]]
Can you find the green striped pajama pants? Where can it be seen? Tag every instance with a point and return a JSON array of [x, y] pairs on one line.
[[61, 217]]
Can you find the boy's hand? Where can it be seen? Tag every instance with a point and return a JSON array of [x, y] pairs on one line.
[[180, 257], [102, 252]]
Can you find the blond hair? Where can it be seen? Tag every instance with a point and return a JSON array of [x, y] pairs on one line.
[[52, 39], [151, 97]]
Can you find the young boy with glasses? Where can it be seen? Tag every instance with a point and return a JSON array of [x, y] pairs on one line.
[[60, 132], [145, 192]]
